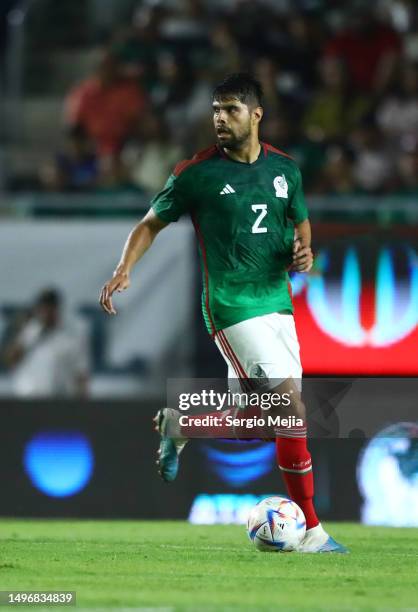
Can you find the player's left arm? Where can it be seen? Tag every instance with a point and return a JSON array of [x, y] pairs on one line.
[[302, 253], [298, 213]]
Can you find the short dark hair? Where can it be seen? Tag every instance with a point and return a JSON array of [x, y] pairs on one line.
[[242, 86], [49, 297]]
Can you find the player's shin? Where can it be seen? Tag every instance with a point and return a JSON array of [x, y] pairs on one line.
[[294, 461]]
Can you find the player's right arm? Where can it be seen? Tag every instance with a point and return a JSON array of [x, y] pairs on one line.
[[167, 206], [137, 243]]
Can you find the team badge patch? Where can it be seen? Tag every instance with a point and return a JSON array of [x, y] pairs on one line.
[[280, 185]]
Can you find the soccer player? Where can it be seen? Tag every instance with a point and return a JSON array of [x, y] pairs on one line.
[[246, 201]]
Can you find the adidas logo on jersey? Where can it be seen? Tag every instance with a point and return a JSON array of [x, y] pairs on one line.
[[227, 189]]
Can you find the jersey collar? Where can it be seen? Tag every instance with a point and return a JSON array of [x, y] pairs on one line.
[[262, 155]]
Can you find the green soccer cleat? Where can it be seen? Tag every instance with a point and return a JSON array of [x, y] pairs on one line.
[[167, 420]]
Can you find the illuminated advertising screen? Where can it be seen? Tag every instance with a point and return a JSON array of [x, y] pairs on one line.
[[357, 312], [97, 460]]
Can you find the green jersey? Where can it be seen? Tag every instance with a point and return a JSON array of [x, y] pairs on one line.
[[244, 217]]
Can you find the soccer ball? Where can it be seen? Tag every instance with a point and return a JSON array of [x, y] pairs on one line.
[[276, 524]]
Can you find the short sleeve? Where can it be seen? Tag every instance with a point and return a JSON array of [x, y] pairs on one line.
[[172, 201], [297, 210]]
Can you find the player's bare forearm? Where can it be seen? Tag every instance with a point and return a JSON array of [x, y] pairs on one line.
[[302, 254], [137, 243]]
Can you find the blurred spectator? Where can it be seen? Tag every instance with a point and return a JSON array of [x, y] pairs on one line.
[[188, 21], [137, 49], [251, 23], [5, 8], [335, 108], [115, 177], [180, 29], [107, 106], [224, 55], [75, 168], [337, 174], [283, 133], [152, 157], [373, 166], [403, 15], [325, 69], [286, 68], [368, 48], [267, 72], [294, 43], [408, 172], [47, 358], [397, 115], [182, 99], [303, 49]]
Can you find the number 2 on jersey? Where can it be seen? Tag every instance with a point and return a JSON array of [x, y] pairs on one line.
[[256, 229]]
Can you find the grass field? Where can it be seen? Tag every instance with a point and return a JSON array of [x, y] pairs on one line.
[[176, 566]]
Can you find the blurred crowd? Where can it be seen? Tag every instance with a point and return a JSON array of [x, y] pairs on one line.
[[341, 94], [45, 355]]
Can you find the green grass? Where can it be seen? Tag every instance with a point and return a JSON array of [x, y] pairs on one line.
[[197, 568]]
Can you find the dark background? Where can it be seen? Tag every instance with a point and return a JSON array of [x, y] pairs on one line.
[[125, 483]]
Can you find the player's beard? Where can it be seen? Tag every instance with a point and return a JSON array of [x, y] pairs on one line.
[[235, 141]]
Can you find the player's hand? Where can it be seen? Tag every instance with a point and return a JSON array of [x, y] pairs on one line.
[[119, 283], [302, 258]]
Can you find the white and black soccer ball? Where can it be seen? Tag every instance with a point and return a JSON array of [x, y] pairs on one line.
[[276, 524]]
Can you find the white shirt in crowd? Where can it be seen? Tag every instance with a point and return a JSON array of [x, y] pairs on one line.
[[53, 362]]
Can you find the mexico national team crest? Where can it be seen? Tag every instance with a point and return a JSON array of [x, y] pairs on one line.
[[280, 185]]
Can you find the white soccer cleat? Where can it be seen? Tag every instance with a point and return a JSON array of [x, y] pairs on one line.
[[317, 540]]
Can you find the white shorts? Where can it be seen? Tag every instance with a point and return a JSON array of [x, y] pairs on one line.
[[262, 347]]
